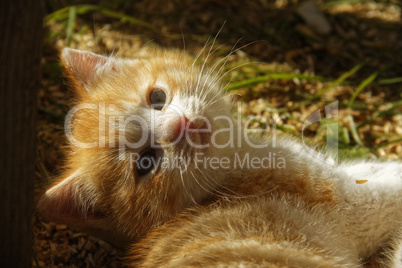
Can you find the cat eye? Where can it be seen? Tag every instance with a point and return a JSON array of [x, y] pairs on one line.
[[157, 98], [146, 162]]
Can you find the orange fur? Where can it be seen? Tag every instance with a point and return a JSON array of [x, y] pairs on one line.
[[257, 232], [301, 215]]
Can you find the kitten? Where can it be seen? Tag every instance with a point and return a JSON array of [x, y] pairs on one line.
[[154, 143]]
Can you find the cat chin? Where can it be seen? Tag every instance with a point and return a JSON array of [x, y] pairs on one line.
[[100, 230]]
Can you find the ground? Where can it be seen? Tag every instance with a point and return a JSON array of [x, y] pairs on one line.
[[282, 70]]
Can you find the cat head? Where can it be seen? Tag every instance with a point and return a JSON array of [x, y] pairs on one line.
[[140, 133]]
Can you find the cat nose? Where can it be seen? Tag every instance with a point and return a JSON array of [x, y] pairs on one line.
[[180, 127], [183, 126], [196, 132], [172, 128]]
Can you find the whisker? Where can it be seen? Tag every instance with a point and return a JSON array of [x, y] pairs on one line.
[[201, 51], [185, 188], [182, 36], [225, 59], [234, 68], [216, 78], [208, 55], [205, 189], [217, 191]]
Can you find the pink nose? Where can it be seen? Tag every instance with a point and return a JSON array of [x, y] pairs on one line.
[[181, 126], [178, 127]]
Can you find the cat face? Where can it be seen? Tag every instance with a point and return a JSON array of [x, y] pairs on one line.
[[139, 132]]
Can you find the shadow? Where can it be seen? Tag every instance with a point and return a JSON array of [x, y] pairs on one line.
[[276, 33]]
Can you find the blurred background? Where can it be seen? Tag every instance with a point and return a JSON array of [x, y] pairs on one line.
[[287, 59]]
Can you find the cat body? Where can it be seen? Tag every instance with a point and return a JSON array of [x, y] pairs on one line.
[[294, 224], [156, 153], [257, 232], [312, 216]]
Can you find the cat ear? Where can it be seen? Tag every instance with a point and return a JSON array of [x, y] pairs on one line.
[[85, 67], [69, 203], [66, 203]]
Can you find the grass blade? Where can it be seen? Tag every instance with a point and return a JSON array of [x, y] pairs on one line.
[[72, 14], [339, 2], [63, 14], [116, 15], [395, 105], [345, 135], [362, 85], [339, 81], [389, 81], [58, 15], [354, 131], [273, 76], [387, 143], [36, 260]]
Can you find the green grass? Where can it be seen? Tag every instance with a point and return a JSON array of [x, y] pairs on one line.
[[270, 77], [338, 81], [69, 13], [362, 86], [349, 142]]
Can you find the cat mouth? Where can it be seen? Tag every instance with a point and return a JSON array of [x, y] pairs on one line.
[[199, 139], [197, 133], [194, 134]]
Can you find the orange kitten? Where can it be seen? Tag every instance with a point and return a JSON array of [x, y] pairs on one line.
[[153, 139]]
